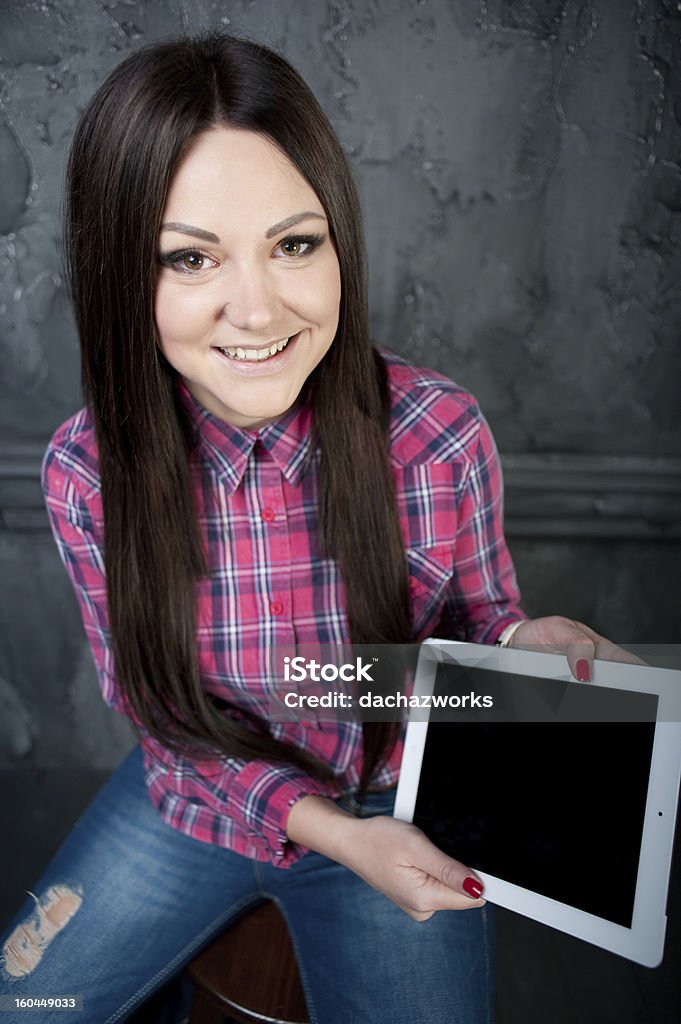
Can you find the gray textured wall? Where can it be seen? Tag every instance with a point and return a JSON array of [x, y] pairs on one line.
[[520, 168]]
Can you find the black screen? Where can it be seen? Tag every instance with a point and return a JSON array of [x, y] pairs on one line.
[[556, 807]]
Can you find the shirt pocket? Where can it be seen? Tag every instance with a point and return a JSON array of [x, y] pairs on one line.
[[428, 498], [430, 573]]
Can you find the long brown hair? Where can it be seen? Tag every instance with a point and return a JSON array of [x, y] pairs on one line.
[[127, 145]]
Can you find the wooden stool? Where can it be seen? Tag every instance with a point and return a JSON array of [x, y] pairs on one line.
[[249, 973]]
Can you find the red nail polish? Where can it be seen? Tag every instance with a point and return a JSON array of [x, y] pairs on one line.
[[472, 887], [583, 671]]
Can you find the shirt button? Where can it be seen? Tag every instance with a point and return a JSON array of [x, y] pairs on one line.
[[267, 514], [276, 607]]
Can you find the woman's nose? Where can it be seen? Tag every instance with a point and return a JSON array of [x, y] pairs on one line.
[[251, 302]]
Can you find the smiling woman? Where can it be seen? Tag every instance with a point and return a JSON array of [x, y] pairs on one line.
[[247, 315], [248, 473]]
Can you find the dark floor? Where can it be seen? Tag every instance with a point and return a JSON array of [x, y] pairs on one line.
[[544, 977]]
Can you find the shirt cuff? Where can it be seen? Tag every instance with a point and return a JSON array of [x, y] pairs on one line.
[[268, 796], [495, 630]]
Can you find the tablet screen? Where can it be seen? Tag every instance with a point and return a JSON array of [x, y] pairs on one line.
[[555, 807]]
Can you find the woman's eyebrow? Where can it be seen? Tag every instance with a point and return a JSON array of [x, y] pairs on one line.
[[187, 229], [290, 221], [208, 236]]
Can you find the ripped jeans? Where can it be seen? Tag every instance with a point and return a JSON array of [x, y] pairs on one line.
[[128, 901]]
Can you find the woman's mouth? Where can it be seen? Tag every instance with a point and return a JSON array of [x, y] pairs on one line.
[[255, 355]]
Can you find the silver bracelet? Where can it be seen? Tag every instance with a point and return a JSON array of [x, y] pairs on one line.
[[504, 638]]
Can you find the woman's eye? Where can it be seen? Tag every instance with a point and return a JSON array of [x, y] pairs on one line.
[[297, 246], [187, 261], [191, 261], [292, 247]]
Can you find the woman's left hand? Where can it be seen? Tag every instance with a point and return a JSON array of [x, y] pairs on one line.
[[581, 644]]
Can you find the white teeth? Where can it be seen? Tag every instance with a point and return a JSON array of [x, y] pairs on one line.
[[256, 355]]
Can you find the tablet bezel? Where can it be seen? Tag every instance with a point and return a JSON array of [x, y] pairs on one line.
[[644, 941]]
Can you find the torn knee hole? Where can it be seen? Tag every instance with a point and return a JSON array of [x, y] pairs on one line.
[[25, 947]]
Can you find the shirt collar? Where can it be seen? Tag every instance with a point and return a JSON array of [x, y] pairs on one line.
[[227, 449]]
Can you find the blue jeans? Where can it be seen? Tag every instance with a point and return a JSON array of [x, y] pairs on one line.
[[144, 898]]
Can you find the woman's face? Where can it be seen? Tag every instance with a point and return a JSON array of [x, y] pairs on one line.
[[248, 291]]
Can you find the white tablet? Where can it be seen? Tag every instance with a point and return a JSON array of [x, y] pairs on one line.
[[562, 796]]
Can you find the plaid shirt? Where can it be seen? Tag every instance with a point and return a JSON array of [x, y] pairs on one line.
[[269, 585]]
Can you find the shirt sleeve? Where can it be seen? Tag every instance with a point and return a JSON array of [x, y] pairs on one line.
[[79, 538], [221, 801], [483, 596], [232, 802]]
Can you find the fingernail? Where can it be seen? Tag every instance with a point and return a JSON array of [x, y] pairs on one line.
[[472, 887], [583, 671]]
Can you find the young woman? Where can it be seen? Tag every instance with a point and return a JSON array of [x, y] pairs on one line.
[[249, 473]]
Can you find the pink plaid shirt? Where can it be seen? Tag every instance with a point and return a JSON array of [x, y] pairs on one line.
[[269, 585]]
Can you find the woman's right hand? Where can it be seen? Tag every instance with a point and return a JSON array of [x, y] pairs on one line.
[[393, 857], [397, 859]]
